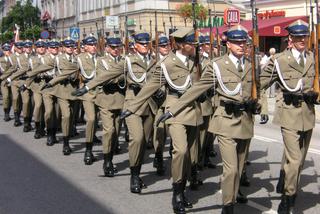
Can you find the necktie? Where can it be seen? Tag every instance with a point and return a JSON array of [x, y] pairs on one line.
[[301, 62], [239, 66], [145, 60]]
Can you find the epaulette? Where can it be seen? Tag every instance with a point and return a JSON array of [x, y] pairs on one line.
[[278, 55]]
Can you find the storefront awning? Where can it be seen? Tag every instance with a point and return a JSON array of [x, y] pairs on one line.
[[266, 27]]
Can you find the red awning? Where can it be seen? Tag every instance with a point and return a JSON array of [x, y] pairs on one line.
[[266, 27]]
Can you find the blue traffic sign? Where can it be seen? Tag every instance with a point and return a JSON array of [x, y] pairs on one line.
[[75, 33], [44, 34]]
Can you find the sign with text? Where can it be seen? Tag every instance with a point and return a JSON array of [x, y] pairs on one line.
[[112, 22], [231, 16]]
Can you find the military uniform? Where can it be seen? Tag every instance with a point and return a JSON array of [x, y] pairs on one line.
[[34, 83], [17, 59], [87, 64], [232, 121], [176, 72], [19, 79], [109, 99], [47, 71], [139, 124], [5, 66], [62, 85], [294, 70]]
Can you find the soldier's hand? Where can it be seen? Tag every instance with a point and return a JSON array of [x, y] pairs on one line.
[[164, 117], [79, 92], [264, 118], [125, 114], [8, 81], [22, 87], [47, 85]]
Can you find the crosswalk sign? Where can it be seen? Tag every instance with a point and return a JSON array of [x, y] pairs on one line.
[[75, 33]]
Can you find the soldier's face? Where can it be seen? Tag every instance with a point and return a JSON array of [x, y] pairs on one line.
[[299, 42], [90, 48], [143, 49], [164, 49], [114, 50], [54, 50], [18, 50], [28, 50], [41, 50], [188, 49], [237, 48], [68, 50], [205, 48]]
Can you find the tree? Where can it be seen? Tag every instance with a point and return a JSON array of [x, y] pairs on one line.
[[26, 16]]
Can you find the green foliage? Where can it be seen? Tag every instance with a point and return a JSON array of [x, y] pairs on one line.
[[26, 16], [185, 11]]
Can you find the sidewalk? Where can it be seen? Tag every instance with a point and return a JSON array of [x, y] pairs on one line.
[[271, 104]]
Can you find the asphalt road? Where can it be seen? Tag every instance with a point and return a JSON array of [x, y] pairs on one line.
[[37, 179]]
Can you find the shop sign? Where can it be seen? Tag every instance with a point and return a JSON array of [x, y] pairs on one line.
[[271, 13], [231, 16], [276, 30]]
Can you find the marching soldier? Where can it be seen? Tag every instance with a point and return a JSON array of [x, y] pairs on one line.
[[34, 84], [47, 71], [139, 66], [109, 98], [159, 135], [6, 70], [20, 78], [15, 84], [294, 70], [176, 72], [63, 84], [206, 109], [87, 63], [232, 121]]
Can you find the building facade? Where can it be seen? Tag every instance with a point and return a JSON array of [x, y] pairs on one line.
[[90, 15]]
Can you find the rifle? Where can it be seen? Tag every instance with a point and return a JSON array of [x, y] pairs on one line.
[[255, 50], [312, 33], [126, 41], [197, 63], [156, 36], [211, 35], [316, 78], [217, 36]]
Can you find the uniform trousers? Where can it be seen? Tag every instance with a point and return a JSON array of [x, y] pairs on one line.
[[16, 96], [296, 144], [90, 114], [183, 138], [50, 114], [110, 128], [38, 107], [233, 154], [6, 95], [159, 133], [65, 116], [139, 128]]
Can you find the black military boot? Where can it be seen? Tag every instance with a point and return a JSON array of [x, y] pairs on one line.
[[244, 180], [227, 209], [195, 182], [186, 203], [88, 155], [66, 150], [26, 124], [7, 115], [17, 121], [280, 185], [135, 181], [158, 163], [37, 134], [108, 168], [50, 137], [178, 199], [241, 198], [292, 200], [206, 159], [284, 206]]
